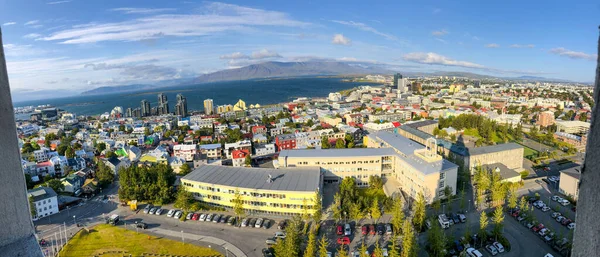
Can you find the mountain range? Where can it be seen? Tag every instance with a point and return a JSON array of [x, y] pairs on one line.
[[295, 69]]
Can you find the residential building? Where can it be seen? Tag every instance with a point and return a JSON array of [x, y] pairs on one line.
[[579, 142], [208, 106], [259, 129], [186, 152], [239, 145], [240, 105], [41, 155], [569, 182], [115, 164], [276, 131], [545, 119], [45, 168], [163, 104], [45, 201], [176, 163], [145, 108], [264, 191], [573, 127], [212, 151], [238, 157], [285, 141], [264, 149], [506, 174], [73, 183]]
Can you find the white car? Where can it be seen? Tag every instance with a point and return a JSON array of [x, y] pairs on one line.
[[556, 214], [384, 252], [170, 213], [564, 202], [189, 216], [571, 225], [555, 198], [202, 217], [560, 218], [159, 211], [545, 208], [499, 247], [280, 234], [347, 230], [472, 252], [178, 214], [259, 222], [209, 217], [543, 232], [548, 255], [491, 249]]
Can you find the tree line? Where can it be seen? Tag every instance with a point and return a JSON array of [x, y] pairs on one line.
[[151, 184]]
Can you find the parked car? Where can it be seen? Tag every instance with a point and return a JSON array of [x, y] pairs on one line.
[[216, 218], [252, 222], [388, 229], [189, 216], [267, 253], [231, 221], [340, 230], [282, 224], [521, 217], [549, 237], [556, 214], [564, 202], [271, 241], [372, 230], [245, 222], [178, 214], [380, 229], [499, 247], [152, 211], [202, 217], [159, 211], [543, 232], [147, 208], [266, 224], [566, 222], [365, 229], [545, 208], [491, 249], [515, 213], [170, 213], [538, 227], [559, 219], [223, 219], [472, 252], [455, 219], [141, 225], [458, 245], [571, 225], [280, 234], [347, 230], [462, 218], [555, 198], [209, 217], [259, 222], [529, 225], [343, 240], [195, 216]]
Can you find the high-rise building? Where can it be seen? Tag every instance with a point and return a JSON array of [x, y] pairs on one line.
[[208, 106], [137, 113], [476, 83], [145, 108], [129, 113], [163, 104], [181, 106], [401, 84]]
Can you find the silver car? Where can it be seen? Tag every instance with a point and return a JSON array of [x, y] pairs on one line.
[[159, 211], [178, 214]]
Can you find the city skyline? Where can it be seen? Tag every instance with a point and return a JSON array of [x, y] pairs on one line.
[[71, 46]]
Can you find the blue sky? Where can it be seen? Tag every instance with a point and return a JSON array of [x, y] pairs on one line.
[[68, 46]]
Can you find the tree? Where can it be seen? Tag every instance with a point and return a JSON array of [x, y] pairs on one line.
[[523, 203], [27, 148], [69, 153], [185, 169], [337, 207], [122, 128], [448, 191], [409, 246], [436, 205], [362, 251], [354, 211], [393, 251], [419, 211], [32, 207], [342, 251], [104, 175], [324, 143], [483, 223], [184, 199], [323, 247], [110, 154], [311, 245], [339, 143], [317, 206], [512, 198], [378, 252], [397, 214], [146, 131], [498, 220], [436, 241], [290, 246], [100, 147], [49, 137], [305, 208], [248, 160], [56, 185], [238, 204], [28, 181]]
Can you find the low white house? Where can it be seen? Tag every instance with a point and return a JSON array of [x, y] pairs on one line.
[[264, 149], [44, 200]]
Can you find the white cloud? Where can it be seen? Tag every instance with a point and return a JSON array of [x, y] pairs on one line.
[[234, 56], [433, 58], [365, 27], [264, 54], [32, 36], [522, 46], [59, 2], [13, 50], [339, 39], [33, 24], [219, 17], [9, 23], [347, 59], [492, 45], [129, 10], [441, 40], [572, 54], [439, 32]]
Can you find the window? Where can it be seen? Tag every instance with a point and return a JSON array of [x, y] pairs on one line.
[[442, 175], [441, 184]]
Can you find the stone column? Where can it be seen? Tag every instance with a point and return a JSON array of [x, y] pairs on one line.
[[586, 241], [17, 235]]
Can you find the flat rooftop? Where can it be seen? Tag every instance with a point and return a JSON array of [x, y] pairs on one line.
[[574, 172], [505, 172], [288, 179], [494, 148], [332, 153]]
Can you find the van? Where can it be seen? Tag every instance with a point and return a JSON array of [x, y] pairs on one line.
[[472, 252], [462, 218], [443, 220]]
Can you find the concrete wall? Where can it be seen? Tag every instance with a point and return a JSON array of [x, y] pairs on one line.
[[17, 236], [568, 185]]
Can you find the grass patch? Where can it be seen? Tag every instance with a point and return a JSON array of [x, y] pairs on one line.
[[472, 132], [524, 174], [529, 152], [107, 238]]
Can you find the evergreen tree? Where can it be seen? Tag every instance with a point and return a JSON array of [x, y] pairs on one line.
[[375, 210], [317, 206], [419, 211], [185, 169], [339, 143], [363, 251], [409, 246], [436, 241], [323, 247], [337, 207], [311, 245], [393, 251], [238, 204], [184, 199], [325, 142], [378, 252], [397, 214], [483, 223], [498, 220]]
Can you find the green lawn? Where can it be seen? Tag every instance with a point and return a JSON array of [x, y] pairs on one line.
[[105, 238], [472, 132], [529, 152]]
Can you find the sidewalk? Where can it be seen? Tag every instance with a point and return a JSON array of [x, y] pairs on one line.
[[205, 239]]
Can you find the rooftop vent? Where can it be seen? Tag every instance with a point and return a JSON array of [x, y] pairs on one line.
[[270, 179]]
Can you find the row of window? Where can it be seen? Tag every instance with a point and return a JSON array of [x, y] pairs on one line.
[[43, 202]]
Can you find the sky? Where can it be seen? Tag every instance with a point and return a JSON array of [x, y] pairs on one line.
[[63, 47]]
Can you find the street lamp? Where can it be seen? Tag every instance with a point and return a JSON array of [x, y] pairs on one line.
[[182, 239], [74, 220], [469, 206], [226, 252]]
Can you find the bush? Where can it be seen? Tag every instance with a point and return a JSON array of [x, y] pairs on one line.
[[502, 240], [524, 174]]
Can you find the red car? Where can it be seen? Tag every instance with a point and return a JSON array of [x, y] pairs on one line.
[[538, 227], [515, 213], [340, 230], [372, 230], [365, 229], [566, 222], [195, 216], [343, 240]]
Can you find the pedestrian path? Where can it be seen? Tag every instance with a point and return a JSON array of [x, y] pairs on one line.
[[231, 249]]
